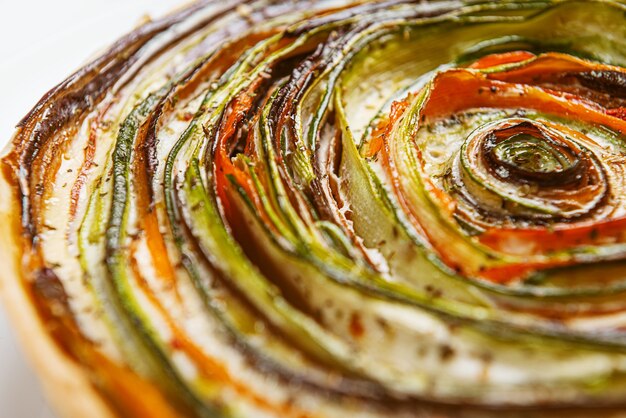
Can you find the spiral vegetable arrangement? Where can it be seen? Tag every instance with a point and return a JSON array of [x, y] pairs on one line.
[[338, 209]]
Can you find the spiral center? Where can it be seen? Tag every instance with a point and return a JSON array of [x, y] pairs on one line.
[[524, 170], [525, 153]]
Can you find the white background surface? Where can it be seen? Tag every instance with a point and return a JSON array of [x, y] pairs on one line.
[[42, 42]]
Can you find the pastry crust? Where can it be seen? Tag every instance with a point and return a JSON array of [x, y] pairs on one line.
[[65, 384], [61, 377]]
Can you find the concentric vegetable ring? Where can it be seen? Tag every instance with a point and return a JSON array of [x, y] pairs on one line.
[[326, 208], [542, 173]]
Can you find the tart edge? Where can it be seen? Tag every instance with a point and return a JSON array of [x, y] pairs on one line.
[[65, 383]]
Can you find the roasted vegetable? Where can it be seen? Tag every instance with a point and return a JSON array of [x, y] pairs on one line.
[[327, 208]]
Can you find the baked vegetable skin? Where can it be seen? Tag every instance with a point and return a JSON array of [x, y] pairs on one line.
[[330, 209]]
